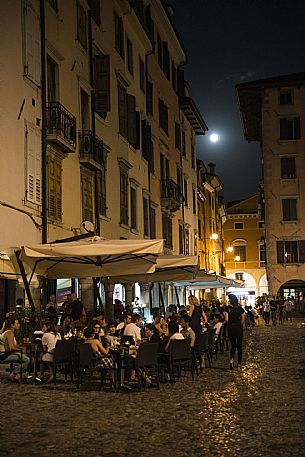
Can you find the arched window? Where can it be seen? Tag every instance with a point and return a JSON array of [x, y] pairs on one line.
[[239, 246]]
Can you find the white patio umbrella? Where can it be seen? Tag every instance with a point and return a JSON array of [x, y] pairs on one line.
[[168, 268], [92, 257]]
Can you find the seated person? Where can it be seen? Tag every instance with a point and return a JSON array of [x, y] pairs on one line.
[[126, 320], [153, 336], [134, 328], [49, 340], [9, 348], [102, 358], [187, 331], [173, 331], [67, 328], [161, 325], [111, 336]]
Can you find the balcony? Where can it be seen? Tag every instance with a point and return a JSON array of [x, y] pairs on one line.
[[171, 195], [91, 150], [61, 127]]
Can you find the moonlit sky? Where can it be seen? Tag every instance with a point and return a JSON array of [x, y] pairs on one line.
[[230, 41]]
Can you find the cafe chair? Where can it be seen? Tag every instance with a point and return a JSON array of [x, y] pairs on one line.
[[88, 364], [65, 357], [180, 357], [11, 364], [202, 349], [147, 362]]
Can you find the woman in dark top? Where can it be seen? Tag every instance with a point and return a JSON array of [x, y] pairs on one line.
[[196, 314], [235, 318]]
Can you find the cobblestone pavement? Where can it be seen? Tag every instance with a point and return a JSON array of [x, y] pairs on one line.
[[259, 411]]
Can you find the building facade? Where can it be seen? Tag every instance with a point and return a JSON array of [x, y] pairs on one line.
[[273, 113], [98, 129], [245, 249]]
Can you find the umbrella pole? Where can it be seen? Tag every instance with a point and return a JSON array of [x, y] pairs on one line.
[[25, 281], [177, 296]]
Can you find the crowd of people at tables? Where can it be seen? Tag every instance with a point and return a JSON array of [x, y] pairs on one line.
[[104, 335]]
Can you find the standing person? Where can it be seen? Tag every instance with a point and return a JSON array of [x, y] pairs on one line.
[[51, 309], [273, 311], [266, 311], [235, 318], [288, 305], [76, 307], [196, 314], [66, 308], [281, 308]]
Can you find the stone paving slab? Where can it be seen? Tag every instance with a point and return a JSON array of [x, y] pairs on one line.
[[258, 412]]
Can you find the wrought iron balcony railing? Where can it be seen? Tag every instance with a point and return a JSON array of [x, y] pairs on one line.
[[61, 125], [90, 148], [171, 195]]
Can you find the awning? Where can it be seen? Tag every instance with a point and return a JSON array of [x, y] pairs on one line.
[[169, 268], [7, 269], [92, 257], [208, 281]]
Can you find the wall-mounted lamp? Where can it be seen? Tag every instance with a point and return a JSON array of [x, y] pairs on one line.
[[230, 249], [237, 258], [214, 236]]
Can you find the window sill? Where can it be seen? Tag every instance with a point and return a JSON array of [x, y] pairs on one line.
[[290, 222], [292, 140], [284, 180], [54, 222], [134, 231], [124, 226], [105, 218]]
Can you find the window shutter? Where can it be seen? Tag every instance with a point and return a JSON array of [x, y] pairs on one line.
[[51, 188], [146, 140], [133, 208], [160, 51], [131, 120], [301, 251], [177, 136], [95, 11], [102, 84], [280, 251], [58, 191], [146, 216], [87, 198], [122, 111], [124, 198], [32, 41], [149, 97], [181, 83], [152, 223], [137, 142], [101, 189], [33, 165], [297, 128], [166, 60]]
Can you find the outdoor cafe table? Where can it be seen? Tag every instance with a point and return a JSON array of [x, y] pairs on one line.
[[120, 352]]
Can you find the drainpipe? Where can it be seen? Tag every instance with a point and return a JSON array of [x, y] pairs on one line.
[[44, 195], [149, 161]]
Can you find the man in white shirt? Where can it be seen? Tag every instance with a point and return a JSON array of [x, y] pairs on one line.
[[134, 328]]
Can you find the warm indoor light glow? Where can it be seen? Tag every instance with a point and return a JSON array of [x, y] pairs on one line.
[[214, 137], [214, 236], [230, 249], [237, 258]]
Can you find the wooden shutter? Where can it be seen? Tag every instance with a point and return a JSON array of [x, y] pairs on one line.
[[146, 140], [122, 111], [297, 129], [102, 84], [146, 216], [166, 60], [133, 208], [87, 198], [131, 120], [101, 190], [138, 128], [149, 98], [51, 189], [177, 136], [160, 51], [280, 251], [58, 191], [32, 41], [301, 251], [124, 198], [152, 223], [95, 11], [33, 146]]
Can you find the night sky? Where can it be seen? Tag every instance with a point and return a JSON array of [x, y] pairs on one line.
[[228, 42]]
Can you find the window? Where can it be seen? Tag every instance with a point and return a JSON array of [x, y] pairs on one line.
[[142, 74], [167, 229], [177, 136], [32, 45], [52, 80], [174, 76], [195, 242], [160, 51], [166, 60], [179, 178], [187, 242], [288, 167], [186, 201], [149, 98], [262, 253], [87, 197], [290, 129], [164, 167], [55, 190], [239, 276], [238, 225], [149, 22], [102, 84], [95, 11], [119, 34], [33, 161], [85, 110], [129, 56], [181, 238], [146, 140], [129, 121], [163, 116], [152, 222], [194, 200], [193, 157], [81, 26], [122, 111], [290, 251], [241, 252], [289, 206], [183, 145], [101, 191], [133, 208], [199, 228], [146, 216], [286, 98], [123, 197]]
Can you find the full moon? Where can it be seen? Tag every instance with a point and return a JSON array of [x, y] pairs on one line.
[[214, 137]]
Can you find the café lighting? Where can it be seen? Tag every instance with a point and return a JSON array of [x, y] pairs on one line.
[[214, 236], [237, 258], [230, 249]]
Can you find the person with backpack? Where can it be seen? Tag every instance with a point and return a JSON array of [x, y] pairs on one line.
[[235, 318]]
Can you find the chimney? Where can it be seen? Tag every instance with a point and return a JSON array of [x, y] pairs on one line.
[[212, 168]]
